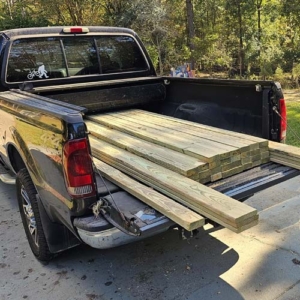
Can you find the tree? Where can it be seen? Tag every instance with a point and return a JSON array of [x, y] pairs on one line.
[[253, 36], [258, 4], [20, 14], [120, 12], [291, 13], [190, 30]]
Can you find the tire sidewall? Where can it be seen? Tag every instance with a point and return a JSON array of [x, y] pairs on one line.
[[41, 251]]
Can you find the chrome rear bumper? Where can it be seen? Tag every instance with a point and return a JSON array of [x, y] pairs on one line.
[[112, 237]]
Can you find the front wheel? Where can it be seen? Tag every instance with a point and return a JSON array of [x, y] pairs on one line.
[[30, 76], [26, 194]]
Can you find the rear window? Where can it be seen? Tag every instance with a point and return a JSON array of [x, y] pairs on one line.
[[120, 54], [48, 58]]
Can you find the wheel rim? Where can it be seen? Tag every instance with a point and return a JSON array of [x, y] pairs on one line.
[[30, 219]]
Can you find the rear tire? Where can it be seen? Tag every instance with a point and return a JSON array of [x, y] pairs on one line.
[[26, 194]]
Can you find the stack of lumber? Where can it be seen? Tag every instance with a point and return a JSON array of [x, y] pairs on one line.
[[200, 198], [199, 152], [161, 159], [285, 154]]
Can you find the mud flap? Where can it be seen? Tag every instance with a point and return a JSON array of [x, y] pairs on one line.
[[59, 237]]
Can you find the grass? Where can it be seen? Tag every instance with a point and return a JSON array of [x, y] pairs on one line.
[[292, 98], [293, 117]]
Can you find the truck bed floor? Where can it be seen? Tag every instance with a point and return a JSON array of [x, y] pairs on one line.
[[245, 184]]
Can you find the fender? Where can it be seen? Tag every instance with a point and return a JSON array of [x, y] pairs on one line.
[[27, 159]]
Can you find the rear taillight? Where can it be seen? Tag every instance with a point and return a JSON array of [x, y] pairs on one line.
[[283, 122], [78, 168]]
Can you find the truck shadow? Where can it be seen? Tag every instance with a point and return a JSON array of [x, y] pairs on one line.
[[162, 267]]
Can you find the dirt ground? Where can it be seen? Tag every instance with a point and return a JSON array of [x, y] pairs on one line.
[[291, 95]]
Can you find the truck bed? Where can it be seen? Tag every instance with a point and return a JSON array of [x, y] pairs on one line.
[[236, 105], [160, 96]]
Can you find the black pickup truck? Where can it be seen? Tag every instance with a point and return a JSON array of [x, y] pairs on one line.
[[51, 78]]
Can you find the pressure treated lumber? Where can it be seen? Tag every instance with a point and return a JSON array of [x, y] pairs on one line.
[[203, 150], [151, 120], [249, 222], [148, 135], [286, 158], [173, 160], [210, 203], [284, 149], [186, 134], [285, 154], [245, 137], [168, 207]]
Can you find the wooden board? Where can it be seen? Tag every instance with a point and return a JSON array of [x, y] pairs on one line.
[[290, 151], [208, 202], [170, 159], [241, 144], [285, 154], [293, 160], [168, 207], [205, 151], [251, 220], [186, 134], [262, 142]]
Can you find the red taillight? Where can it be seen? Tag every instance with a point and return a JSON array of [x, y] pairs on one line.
[[78, 168], [283, 122]]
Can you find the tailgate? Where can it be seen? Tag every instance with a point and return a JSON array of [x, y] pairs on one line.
[[147, 220]]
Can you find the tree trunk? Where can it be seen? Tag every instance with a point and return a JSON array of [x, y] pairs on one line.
[[258, 7], [241, 47], [190, 30], [160, 63], [9, 5]]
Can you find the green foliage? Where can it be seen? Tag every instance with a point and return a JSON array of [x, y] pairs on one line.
[[283, 78], [296, 71], [296, 74], [152, 51], [278, 72], [266, 70], [18, 15], [293, 115], [257, 38]]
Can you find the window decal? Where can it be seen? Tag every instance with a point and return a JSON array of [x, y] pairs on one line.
[[40, 73]]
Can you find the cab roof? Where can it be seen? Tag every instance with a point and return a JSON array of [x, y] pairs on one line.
[[58, 30]]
